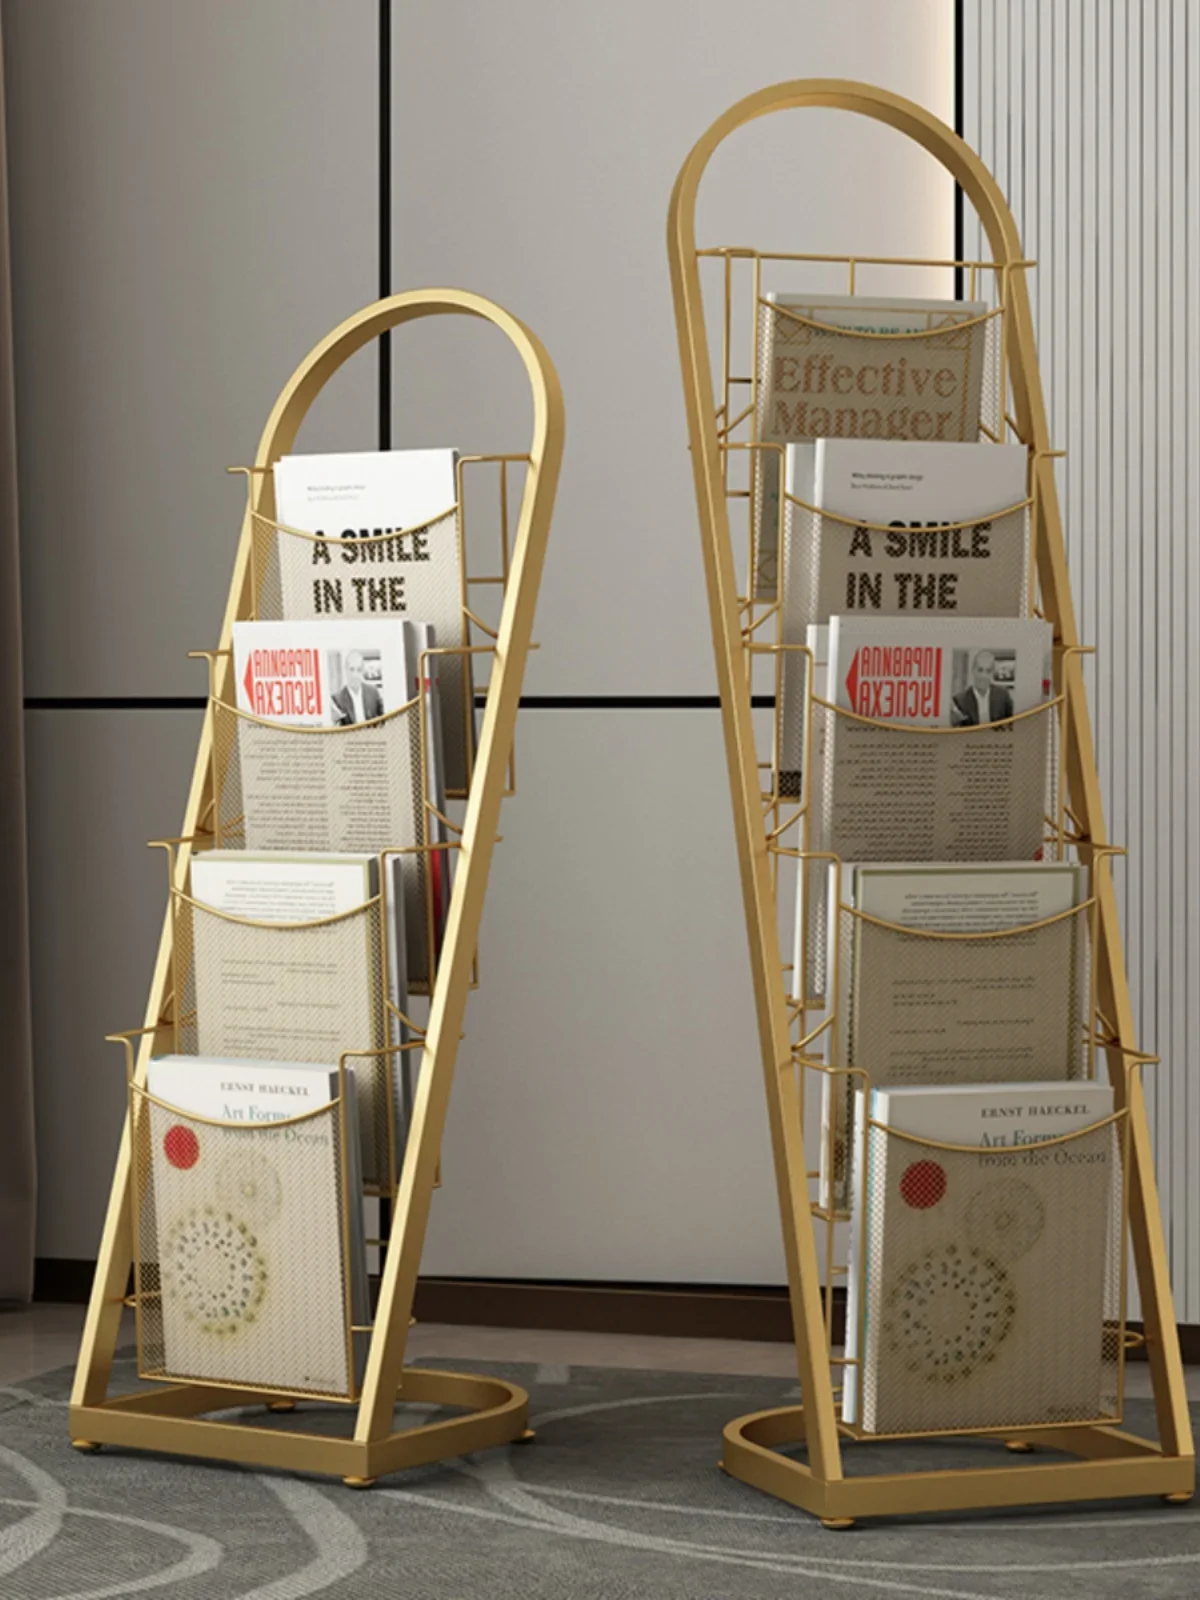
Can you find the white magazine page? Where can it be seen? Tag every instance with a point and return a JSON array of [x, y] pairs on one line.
[[297, 888]]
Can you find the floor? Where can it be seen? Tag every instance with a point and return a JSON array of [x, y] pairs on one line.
[[47, 1336]]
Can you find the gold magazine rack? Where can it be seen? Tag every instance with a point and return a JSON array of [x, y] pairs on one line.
[[798, 1452], [177, 1417]]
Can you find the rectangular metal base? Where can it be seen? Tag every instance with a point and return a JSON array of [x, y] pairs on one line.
[[1111, 1465], [173, 1420]]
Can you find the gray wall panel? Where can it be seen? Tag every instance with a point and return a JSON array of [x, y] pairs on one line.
[[608, 1118], [535, 148], [1089, 114], [193, 206], [100, 784]]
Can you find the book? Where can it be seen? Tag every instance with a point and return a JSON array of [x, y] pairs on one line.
[[357, 789], [256, 1229], [979, 1282], [305, 993], [808, 959], [439, 864], [403, 503], [833, 563], [922, 1011], [884, 796], [815, 380]]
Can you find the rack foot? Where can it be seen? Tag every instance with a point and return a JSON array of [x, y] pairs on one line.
[[1177, 1499], [87, 1447], [526, 1438], [281, 1405], [1019, 1447], [837, 1524], [360, 1483]]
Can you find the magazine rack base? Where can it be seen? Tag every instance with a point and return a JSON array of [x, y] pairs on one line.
[[176, 1419], [1110, 1465]]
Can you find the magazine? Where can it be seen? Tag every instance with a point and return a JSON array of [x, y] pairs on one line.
[[418, 572], [981, 796], [922, 1011], [308, 993], [358, 788], [248, 1225], [833, 563], [814, 380], [978, 1285]]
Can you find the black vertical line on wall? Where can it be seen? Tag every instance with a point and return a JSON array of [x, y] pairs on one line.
[[385, 216], [385, 340], [959, 219]]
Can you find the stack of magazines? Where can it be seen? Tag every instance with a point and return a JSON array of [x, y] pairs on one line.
[[946, 953], [302, 947]]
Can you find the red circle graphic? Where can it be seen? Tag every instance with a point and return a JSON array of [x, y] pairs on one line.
[[923, 1185], [181, 1146]]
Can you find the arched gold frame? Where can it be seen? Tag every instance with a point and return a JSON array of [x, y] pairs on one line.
[[172, 1418], [1110, 1462]]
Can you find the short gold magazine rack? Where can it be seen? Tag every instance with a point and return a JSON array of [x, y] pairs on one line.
[[172, 1412], [798, 1452]]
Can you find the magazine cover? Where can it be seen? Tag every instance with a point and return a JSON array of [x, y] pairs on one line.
[[815, 383], [986, 1276], [980, 797], [417, 573], [248, 1226]]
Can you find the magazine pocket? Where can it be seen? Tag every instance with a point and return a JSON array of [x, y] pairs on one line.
[[248, 1272], [878, 791], [914, 1006], [882, 791], [416, 572], [846, 565], [359, 788], [300, 991], [987, 1286]]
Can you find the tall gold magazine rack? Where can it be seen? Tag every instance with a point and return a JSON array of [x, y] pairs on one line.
[[1095, 1459], [177, 1417]]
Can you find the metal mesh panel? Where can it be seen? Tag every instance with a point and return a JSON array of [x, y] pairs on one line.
[[240, 1260], [296, 575], [285, 993], [358, 788], [1008, 1008], [991, 1285], [963, 794]]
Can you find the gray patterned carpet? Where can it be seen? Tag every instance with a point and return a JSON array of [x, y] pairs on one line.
[[618, 1498]]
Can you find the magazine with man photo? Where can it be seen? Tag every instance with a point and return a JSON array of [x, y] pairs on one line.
[[322, 674], [355, 679]]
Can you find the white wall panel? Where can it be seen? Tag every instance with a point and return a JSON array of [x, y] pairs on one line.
[[100, 784], [1088, 115], [193, 193], [536, 144]]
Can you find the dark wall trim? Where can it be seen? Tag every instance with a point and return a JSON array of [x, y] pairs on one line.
[[959, 199], [684, 1311], [688, 1311], [385, 216]]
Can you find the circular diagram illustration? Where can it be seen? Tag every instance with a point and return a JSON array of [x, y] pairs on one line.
[[212, 1265], [1005, 1218], [948, 1312], [249, 1185]]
